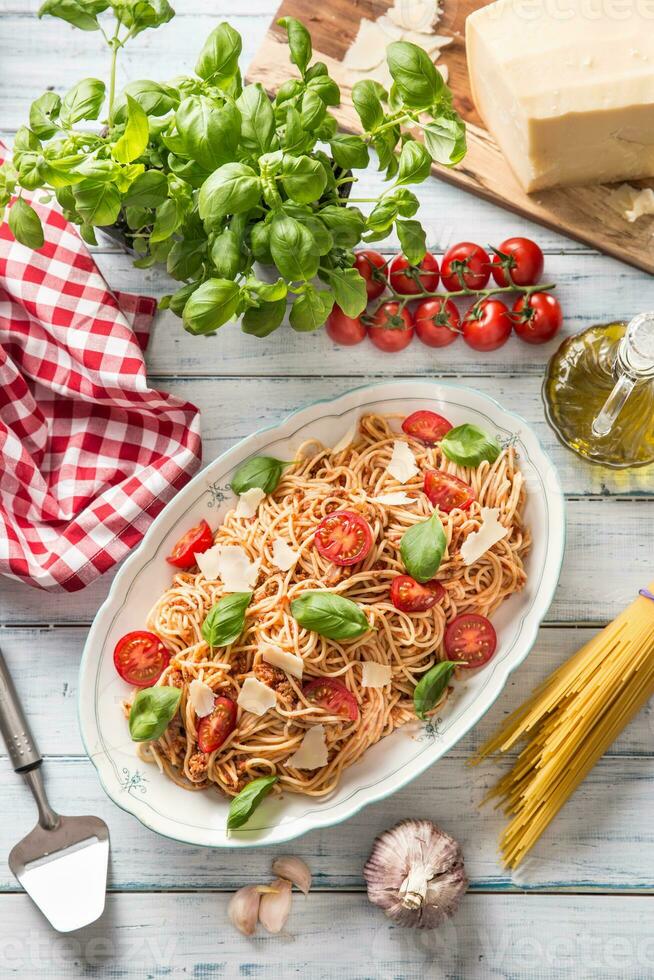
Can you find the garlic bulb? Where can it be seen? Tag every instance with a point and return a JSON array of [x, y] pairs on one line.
[[243, 909], [294, 870], [415, 873], [275, 905]]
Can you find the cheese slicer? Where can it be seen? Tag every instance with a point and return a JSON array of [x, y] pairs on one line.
[[62, 864]]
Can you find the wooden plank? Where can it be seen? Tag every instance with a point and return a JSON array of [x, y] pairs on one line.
[[601, 840], [492, 936], [608, 558]]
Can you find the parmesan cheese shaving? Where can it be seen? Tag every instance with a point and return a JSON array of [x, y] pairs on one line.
[[249, 501], [347, 438], [478, 542], [256, 697], [415, 15], [229, 563], [312, 753], [283, 556], [396, 499], [285, 661], [375, 675], [201, 697], [368, 48], [403, 466], [632, 202]]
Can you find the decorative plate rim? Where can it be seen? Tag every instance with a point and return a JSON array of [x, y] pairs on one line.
[[362, 795]]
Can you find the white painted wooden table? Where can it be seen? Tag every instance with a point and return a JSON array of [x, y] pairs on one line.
[[582, 905]]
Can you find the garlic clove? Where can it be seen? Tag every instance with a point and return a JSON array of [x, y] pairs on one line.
[[243, 909], [275, 906], [294, 870]]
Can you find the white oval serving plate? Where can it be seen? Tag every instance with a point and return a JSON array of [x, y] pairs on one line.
[[199, 818]]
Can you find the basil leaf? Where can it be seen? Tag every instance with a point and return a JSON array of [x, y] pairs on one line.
[[226, 254], [293, 248], [260, 242], [445, 138], [312, 111], [245, 803], [210, 134], [154, 98], [152, 711], [218, 59], [350, 290], [366, 96], [330, 615], [310, 309], [325, 87], [303, 179], [431, 687], [225, 621], [212, 304], [260, 321], [25, 224], [345, 224], [264, 472], [412, 239], [415, 163], [179, 299], [230, 189], [257, 120], [135, 139], [269, 292], [299, 41], [82, 101], [75, 12], [417, 81], [349, 152], [166, 222], [468, 445], [43, 113], [422, 548], [294, 139], [185, 258], [97, 204], [148, 190]]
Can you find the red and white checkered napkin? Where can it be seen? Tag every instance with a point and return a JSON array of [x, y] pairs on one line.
[[89, 454]]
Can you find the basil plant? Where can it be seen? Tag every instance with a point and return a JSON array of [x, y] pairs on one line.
[[216, 179]]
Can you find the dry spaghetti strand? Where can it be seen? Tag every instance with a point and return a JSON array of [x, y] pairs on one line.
[[321, 482]]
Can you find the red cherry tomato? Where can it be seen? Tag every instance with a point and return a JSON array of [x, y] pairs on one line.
[[447, 491], [193, 543], [214, 728], [537, 318], [141, 658], [343, 537], [520, 262], [424, 277], [345, 330], [391, 330], [487, 325], [437, 322], [471, 261], [408, 595], [334, 697], [471, 639], [426, 426], [366, 262]]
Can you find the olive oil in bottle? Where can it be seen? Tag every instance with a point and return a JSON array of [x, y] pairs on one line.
[[599, 393]]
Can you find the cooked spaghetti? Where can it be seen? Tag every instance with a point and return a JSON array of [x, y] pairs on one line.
[[320, 482]]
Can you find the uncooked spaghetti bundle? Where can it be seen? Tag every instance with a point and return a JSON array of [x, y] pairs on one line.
[[570, 721]]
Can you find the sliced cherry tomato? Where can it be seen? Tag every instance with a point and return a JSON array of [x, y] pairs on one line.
[[422, 278], [447, 491], [426, 426], [193, 543], [334, 697], [471, 639], [372, 266], [141, 658], [437, 322], [343, 537], [468, 259], [518, 261], [345, 330], [487, 325], [537, 318], [391, 330], [214, 728], [411, 596]]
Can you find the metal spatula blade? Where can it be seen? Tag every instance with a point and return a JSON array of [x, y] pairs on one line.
[[62, 864]]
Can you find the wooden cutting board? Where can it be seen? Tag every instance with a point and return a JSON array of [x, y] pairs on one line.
[[583, 213]]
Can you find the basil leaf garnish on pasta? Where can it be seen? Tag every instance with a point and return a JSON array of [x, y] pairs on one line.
[[468, 445], [152, 711], [330, 615], [245, 803], [264, 472], [422, 548], [225, 621], [431, 687]]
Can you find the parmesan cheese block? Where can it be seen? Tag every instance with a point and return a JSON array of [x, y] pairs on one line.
[[566, 88]]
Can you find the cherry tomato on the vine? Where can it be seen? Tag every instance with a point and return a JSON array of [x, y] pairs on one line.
[[418, 279], [391, 328], [537, 318], [371, 266], [518, 261], [470, 261], [487, 325], [345, 330], [437, 322]]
